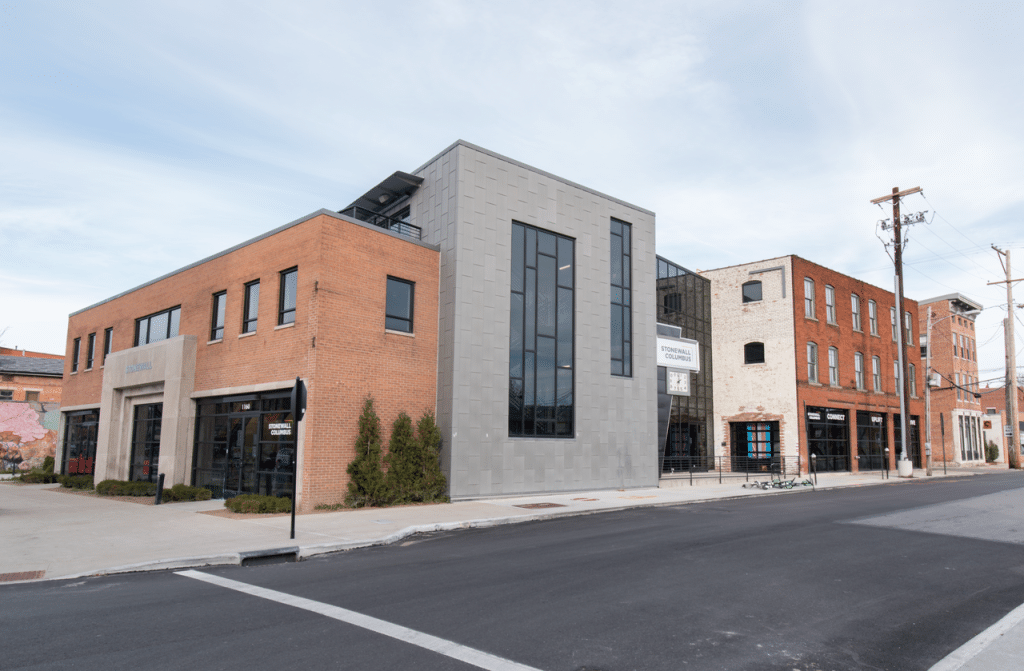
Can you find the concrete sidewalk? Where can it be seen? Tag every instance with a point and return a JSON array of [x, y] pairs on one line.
[[50, 534]]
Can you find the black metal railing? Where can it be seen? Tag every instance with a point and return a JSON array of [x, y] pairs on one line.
[[698, 469], [379, 220]]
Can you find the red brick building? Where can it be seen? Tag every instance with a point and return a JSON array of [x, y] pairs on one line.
[[956, 414], [30, 376], [190, 370], [806, 364]]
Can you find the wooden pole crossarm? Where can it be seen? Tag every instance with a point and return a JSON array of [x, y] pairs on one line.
[[891, 196], [1021, 279]]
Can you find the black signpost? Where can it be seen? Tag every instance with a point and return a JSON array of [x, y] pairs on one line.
[[298, 404]]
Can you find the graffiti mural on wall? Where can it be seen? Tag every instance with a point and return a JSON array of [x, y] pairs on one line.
[[28, 433]]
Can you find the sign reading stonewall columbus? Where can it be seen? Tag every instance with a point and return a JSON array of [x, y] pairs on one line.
[[681, 354]]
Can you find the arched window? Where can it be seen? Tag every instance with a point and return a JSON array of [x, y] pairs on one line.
[[753, 352], [752, 291]]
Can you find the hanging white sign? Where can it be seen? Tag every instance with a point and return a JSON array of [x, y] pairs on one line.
[[682, 354]]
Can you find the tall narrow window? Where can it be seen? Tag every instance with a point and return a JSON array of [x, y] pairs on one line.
[[809, 297], [752, 292], [892, 319], [855, 310], [830, 304], [876, 373], [955, 341], [833, 366], [621, 322], [812, 362], [90, 351], [858, 369], [541, 328], [252, 307], [398, 307], [289, 291], [108, 343], [220, 300], [912, 380], [873, 316], [908, 328], [77, 346], [896, 375]]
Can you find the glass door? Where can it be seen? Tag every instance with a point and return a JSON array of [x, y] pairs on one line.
[[146, 442]]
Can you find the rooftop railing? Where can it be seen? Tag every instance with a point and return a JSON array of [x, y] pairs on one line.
[[388, 223]]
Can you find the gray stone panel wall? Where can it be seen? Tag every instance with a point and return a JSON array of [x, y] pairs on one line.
[[615, 418]]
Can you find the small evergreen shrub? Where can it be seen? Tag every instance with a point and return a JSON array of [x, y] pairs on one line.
[[126, 488], [48, 465], [75, 481], [38, 478], [434, 486], [404, 478], [991, 451], [258, 503], [183, 492], [366, 486]]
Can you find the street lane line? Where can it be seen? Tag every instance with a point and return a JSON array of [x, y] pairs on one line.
[[462, 653], [979, 643]]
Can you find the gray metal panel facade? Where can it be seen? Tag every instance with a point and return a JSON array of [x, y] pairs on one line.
[[466, 205]]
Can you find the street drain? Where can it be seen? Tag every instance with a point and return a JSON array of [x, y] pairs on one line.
[[22, 575], [534, 506]]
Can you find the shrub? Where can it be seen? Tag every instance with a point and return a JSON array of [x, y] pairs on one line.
[[428, 439], [126, 488], [75, 481], [258, 503], [38, 477], [404, 478], [366, 486], [991, 451], [48, 465], [182, 492]]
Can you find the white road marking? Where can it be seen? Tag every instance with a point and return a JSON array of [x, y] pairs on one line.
[[979, 643], [462, 653]]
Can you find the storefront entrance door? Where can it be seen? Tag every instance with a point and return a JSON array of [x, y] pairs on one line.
[[242, 444], [146, 442]]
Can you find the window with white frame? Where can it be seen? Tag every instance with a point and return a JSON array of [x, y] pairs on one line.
[[858, 368], [809, 297], [830, 304], [833, 366], [873, 317], [908, 329], [812, 362], [892, 319], [876, 373], [855, 310], [912, 380]]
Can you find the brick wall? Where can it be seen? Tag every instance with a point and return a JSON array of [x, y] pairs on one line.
[[848, 341]]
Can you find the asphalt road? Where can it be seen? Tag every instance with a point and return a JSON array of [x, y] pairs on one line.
[[841, 579]]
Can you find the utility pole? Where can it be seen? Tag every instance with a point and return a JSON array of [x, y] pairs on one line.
[[898, 262], [1013, 452], [928, 397]]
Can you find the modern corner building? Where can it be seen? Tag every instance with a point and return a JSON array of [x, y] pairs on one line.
[[806, 362], [516, 305], [957, 415]]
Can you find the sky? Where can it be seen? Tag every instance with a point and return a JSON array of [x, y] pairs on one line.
[[136, 138]]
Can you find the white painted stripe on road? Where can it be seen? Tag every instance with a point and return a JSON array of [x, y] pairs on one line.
[[462, 653], [966, 652]]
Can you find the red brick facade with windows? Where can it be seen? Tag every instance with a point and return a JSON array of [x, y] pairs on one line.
[[337, 344], [43, 387], [847, 342]]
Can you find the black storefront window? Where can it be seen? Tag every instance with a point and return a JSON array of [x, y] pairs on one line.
[[541, 334], [241, 446], [828, 438], [79, 449], [621, 303], [872, 439], [914, 448], [145, 462]]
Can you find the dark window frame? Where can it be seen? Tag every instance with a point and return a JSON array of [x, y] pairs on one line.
[[90, 350], [542, 334], [285, 314], [251, 309], [395, 321], [108, 343], [173, 315], [621, 297], [750, 353], [750, 298], [76, 349], [218, 316]]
